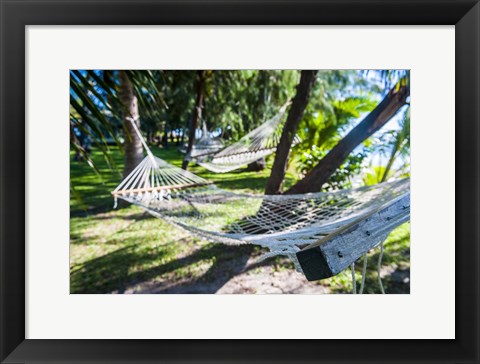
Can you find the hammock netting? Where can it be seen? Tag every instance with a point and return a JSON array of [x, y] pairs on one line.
[[204, 146], [255, 145], [282, 223]]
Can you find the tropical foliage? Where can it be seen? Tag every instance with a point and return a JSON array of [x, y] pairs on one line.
[[235, 102], [126, 250]]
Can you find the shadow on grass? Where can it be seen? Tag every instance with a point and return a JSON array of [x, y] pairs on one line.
[[253, 183], [97, 276], [395, 282], [142, 215], [230, 262]]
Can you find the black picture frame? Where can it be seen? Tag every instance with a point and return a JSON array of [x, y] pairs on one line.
[[15, 15]]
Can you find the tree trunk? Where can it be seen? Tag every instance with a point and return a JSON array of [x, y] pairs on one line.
[[197, 114], [393, 154], [133, 145], [183, 136], [295, 114], [165, 139], [389, 106]]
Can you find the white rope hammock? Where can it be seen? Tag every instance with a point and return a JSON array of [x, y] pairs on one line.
[[282, 223], [204, 146], [255, 145], [285, 224]]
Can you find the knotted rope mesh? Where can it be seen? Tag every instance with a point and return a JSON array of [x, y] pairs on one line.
[[282, 223], [255, 145], [205, 146]]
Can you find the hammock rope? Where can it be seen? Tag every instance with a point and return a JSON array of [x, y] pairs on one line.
[[255, 145], [204, 146], [284, 224]]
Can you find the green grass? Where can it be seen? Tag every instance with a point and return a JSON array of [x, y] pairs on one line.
[[394, 267], [94, 191], [128, 250]]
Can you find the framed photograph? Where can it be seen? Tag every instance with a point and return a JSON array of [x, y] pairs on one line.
[[239, 181]]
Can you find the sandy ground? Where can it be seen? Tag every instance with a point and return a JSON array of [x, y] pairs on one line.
[[252, 279], [237, 270], [243, 274]]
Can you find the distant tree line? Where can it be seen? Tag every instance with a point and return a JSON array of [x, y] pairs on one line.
[[170, 106]]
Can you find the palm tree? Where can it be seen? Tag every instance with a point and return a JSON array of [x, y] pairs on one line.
[[131, 118], [386, 109], [400, 146], [105, 103], [295, 114], [197, 114]]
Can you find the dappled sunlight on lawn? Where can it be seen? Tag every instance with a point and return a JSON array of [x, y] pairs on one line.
[[129, 251]]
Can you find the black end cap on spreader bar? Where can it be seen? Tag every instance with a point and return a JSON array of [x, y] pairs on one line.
[[314, 264]]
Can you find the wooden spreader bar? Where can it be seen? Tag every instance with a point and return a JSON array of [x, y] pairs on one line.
[[241, 153], [160, 188], [337, 251]]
